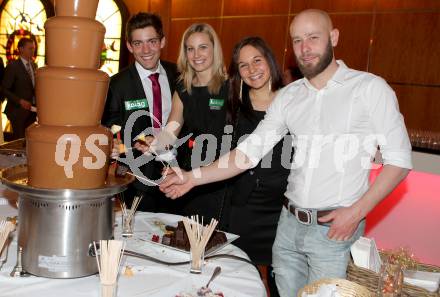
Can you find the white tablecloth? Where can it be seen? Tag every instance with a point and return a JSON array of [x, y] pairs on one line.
[[237, 278]]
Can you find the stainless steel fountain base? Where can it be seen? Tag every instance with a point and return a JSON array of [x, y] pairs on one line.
[[56, 227]]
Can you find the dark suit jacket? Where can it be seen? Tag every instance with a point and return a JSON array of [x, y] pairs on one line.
[[124, 87], [16, 85], [2, 70]]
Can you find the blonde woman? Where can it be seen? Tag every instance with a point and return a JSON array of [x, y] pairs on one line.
[[199, 105], [199, 108]]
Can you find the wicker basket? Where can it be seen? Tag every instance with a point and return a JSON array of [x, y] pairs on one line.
[[370, 279], [345, 288]]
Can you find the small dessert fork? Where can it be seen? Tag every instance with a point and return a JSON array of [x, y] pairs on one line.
[[216, 272]]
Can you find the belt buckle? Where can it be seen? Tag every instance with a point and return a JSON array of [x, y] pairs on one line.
[[305, 211]]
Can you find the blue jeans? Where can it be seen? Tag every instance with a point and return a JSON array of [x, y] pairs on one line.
[[302, 254]]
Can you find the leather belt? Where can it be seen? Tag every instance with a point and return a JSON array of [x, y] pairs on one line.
[[304, 215]]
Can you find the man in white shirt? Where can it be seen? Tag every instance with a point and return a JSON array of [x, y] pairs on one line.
[[338, 117]]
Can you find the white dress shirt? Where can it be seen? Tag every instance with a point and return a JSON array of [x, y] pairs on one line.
[[336, 133], [164, 88]]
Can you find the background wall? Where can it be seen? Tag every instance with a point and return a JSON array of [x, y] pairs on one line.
[[395, 39], [409, 217]]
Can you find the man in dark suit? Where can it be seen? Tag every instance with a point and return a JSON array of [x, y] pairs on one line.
[[18, 87], [146, 85], [2, 69]]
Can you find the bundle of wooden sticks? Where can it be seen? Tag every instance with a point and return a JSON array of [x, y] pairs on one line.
[[6, 227], [109, 259], [198, 236]]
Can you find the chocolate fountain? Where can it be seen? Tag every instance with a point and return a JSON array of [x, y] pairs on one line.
[[66, 189]]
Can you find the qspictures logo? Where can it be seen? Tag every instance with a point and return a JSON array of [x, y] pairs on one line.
[[310, 151], [68, 148]]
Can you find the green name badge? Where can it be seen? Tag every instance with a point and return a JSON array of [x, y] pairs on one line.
[[216, 103], [136, 104]]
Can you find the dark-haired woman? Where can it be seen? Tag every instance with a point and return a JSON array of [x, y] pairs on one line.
[[257, 194]]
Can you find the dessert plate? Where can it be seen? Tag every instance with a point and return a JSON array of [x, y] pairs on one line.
[[154, 225]]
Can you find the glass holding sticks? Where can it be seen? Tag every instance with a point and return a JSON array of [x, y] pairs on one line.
[[109, 260], [197, 258], [109, 290], [128, 215], [127, 225]]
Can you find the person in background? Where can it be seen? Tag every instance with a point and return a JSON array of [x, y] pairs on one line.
[[2, 70], [199, 110], [256, 194], [145, 85], [18, 86], [291, 74], [338, 117]]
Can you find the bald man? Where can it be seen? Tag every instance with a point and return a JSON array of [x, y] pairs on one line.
[[338, 117]]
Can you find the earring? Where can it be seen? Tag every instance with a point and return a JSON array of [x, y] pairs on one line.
[[270, 84], [241, 88]]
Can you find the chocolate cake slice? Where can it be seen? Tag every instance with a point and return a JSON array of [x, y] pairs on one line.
[[179, 239]]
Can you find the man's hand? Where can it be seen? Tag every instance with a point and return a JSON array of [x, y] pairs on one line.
[[176, 185], [143, 144], [117, 148], [344, 222], [25, 104]]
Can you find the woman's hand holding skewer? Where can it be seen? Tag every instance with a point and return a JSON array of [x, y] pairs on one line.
[[116, 148], [143, 144], [176, 185]]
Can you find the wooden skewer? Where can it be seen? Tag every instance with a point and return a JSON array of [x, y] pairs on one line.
[[6, 227], [143, 178]]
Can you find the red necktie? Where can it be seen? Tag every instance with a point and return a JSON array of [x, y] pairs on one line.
[[157, 100]]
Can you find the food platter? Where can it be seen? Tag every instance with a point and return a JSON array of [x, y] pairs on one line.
[[150, 230]]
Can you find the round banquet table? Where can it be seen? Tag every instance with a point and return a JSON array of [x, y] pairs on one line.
[[149, 278]]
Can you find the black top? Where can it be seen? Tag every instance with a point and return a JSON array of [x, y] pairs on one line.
[[204, 116], [272, 178], [257, 195]]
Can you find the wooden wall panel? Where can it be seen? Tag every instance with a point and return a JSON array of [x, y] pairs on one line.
[[407, 4], [196, 8], [420, 106], [162, 8], [255, 7], [407, 51], [271, 29], [135, 6], [354, 39], [289, 58], [334, 5], [178, 28]]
